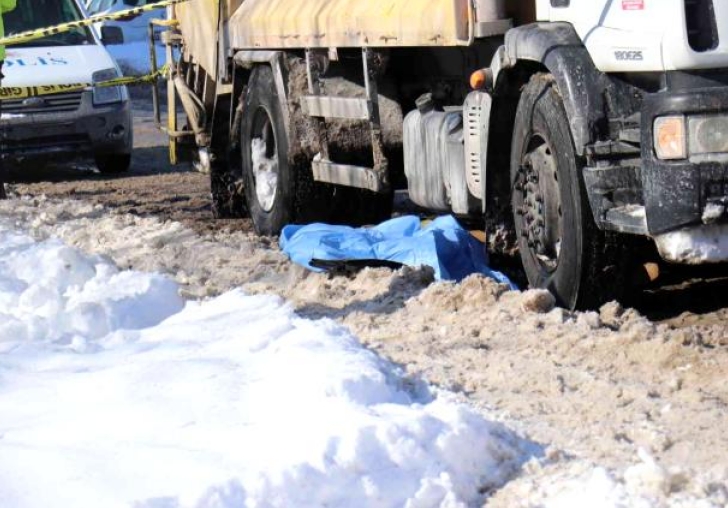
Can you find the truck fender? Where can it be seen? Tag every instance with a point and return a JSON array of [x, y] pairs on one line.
[[582, 86], [248, 58]]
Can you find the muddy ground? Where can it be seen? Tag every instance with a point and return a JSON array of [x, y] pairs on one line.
[[152, 187], [619, 388]]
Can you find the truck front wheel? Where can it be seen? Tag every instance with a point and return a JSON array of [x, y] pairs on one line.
[[561, 248]]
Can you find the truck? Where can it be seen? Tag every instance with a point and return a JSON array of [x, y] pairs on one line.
[[586, 135]]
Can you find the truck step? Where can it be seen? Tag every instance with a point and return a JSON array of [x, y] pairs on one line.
[[627, 219], [344, 174], [325, 106]]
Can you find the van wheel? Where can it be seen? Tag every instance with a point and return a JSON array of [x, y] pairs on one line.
[[113, 164], [561, 248]]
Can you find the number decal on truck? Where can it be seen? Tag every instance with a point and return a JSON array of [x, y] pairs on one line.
[[629, 55]]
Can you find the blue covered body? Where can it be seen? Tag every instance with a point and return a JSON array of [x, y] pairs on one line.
[[443, 244]]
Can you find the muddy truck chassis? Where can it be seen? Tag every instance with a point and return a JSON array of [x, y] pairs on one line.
[[584, 133]]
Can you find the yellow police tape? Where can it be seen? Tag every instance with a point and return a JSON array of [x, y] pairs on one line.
[[40, 33], [23, 92]]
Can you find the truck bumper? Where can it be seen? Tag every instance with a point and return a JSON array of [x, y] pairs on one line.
[[677, 193], [87, 131], [686, 201]]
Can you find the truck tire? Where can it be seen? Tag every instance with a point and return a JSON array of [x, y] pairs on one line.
[[3, 193], [227, 201], [560, 246], [113, 164], [267, 175]]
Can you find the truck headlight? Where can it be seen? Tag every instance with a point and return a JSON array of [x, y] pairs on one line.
[[669, 137], [106, 94], [708, 134]]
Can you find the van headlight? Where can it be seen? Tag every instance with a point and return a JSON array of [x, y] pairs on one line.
[[106, 94]]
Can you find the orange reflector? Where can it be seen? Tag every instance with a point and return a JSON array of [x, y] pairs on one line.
[[478, 80], [669, 137]]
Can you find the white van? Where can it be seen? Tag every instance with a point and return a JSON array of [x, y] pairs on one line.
[[92, 122]]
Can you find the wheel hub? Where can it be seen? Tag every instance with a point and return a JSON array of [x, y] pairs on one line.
[[264, 158], [540, 211]]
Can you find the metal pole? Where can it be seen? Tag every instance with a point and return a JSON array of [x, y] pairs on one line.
[[155, 83], [171, 97], [2, 144]]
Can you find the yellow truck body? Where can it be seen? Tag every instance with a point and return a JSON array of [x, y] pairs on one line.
[[349, 23], [284, 24]]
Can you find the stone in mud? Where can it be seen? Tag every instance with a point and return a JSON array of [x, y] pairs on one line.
[[539, 301]]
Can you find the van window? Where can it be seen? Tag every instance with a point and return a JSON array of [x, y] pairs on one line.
[[34, 14], [135, 3], [96, 6]]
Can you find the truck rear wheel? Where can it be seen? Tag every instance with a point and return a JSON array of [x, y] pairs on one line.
[[561, 248], [267, 175], [227, 201]]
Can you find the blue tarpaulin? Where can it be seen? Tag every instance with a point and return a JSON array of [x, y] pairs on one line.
[[443, 244]]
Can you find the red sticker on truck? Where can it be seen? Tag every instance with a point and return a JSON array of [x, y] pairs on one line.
[[633, 5]]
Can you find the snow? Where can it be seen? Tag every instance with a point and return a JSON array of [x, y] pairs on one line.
[[116, 392], [265, 170], [712, 212], [646, 484], [133, 57], [596, 489], [635, 211], [695, 245]]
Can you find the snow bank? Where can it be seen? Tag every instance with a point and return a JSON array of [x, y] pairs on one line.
[[52, 293], [113, 392]]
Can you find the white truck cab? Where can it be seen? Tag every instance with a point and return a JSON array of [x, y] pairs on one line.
[[95, 121], [671, 57], [647, 35]]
